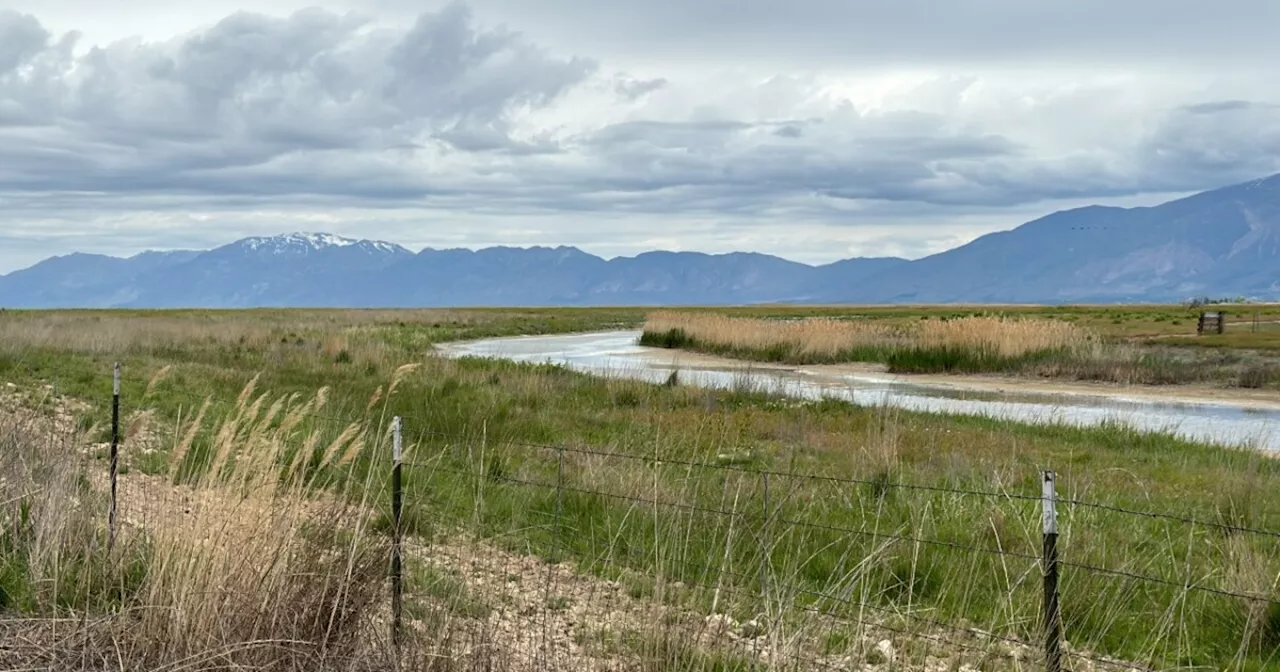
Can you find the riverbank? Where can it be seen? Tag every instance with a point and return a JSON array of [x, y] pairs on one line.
[[1024, 347], [1257, 399], [1244, 418]]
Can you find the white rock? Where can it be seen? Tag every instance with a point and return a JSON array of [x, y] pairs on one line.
[[1019, 652], [885, 647], [720, 625], [751, 629]]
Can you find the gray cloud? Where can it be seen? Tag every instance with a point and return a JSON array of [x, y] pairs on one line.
[[319, 111], [253, 93], [874, 33], [633, 89], [21, 38], [1213, 143]]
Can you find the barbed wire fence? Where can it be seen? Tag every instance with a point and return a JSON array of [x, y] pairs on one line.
[[561, 556]]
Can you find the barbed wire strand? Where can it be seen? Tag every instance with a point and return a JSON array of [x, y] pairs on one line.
[[1187, 520]]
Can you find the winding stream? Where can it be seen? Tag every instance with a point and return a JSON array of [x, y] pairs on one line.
[[616, 353]]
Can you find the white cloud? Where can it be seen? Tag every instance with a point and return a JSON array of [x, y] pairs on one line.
[[855, 128]]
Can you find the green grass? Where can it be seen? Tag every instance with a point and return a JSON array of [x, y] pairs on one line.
[[660, 653], [430, 587], [481, 436]]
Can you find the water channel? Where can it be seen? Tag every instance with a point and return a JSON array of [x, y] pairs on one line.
[[616, 353]]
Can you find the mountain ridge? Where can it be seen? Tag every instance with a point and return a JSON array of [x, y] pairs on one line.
[[1222, 242], [312, 269]]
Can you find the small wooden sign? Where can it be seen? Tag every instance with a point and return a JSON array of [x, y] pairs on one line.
[[1212, 322]]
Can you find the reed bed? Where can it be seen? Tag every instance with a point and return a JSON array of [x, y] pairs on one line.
[[1026, 346], [968, 343]]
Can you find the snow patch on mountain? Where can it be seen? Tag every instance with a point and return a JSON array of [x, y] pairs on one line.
[[305, 241]]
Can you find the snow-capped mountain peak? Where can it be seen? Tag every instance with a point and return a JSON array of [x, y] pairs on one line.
[[302, 242]]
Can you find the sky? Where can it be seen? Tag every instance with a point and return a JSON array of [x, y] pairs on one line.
[[811, 129]]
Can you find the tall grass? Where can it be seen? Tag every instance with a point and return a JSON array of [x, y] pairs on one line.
[[258, 542], [964, 344], [1028, 346], [246, 564], [118, 332], [691, 547]]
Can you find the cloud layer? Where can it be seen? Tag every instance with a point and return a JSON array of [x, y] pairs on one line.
[[453, 127]]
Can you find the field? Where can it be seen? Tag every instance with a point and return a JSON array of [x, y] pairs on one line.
[[560, 521], [1144, 346]]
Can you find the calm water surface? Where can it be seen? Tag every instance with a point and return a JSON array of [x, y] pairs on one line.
[[615, 353]]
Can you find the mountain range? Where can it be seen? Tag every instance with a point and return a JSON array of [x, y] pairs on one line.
[[1224, 242]]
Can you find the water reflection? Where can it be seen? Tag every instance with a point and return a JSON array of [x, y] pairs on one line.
[[616, 354]]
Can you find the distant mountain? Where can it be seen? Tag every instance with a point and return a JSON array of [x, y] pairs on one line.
[[1219, 243], [323, 270], [299, 269], [83, 280], [1224, 242]]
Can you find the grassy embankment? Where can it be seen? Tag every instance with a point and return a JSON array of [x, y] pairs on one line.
[[842, 549], [1021, 343]]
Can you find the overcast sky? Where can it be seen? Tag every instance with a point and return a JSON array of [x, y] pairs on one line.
[[812, 129]]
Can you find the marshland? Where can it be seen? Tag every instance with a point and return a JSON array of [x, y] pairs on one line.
[[1143, 348], [557, 520]]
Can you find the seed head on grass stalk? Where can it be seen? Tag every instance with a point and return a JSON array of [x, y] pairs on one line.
[[399, 375], [336, 447], [246, 571], [264, 546], [183, 446], [157, 379], [827, 340], [373, 400]]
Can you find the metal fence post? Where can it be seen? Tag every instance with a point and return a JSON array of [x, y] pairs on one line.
[[765, 540], [112, 511], [763, 618], [557, 544], [1052, 614], [397, 533]]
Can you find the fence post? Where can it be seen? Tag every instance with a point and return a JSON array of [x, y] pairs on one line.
[[1052, 614], [112, 511], [397, 533], [764, 532], [557, 542], [765, 555]]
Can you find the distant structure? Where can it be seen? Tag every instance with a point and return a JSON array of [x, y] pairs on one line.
[[1214, 322]]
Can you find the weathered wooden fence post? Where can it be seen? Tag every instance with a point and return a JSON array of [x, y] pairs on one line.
[[1052, 614]]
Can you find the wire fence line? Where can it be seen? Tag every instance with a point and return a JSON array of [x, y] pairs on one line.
[[805, 622], [936, 625], [422, 421]]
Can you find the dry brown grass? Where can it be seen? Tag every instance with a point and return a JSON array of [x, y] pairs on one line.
[[119, 332], [830, 338], [286, 561], [240, 567]]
